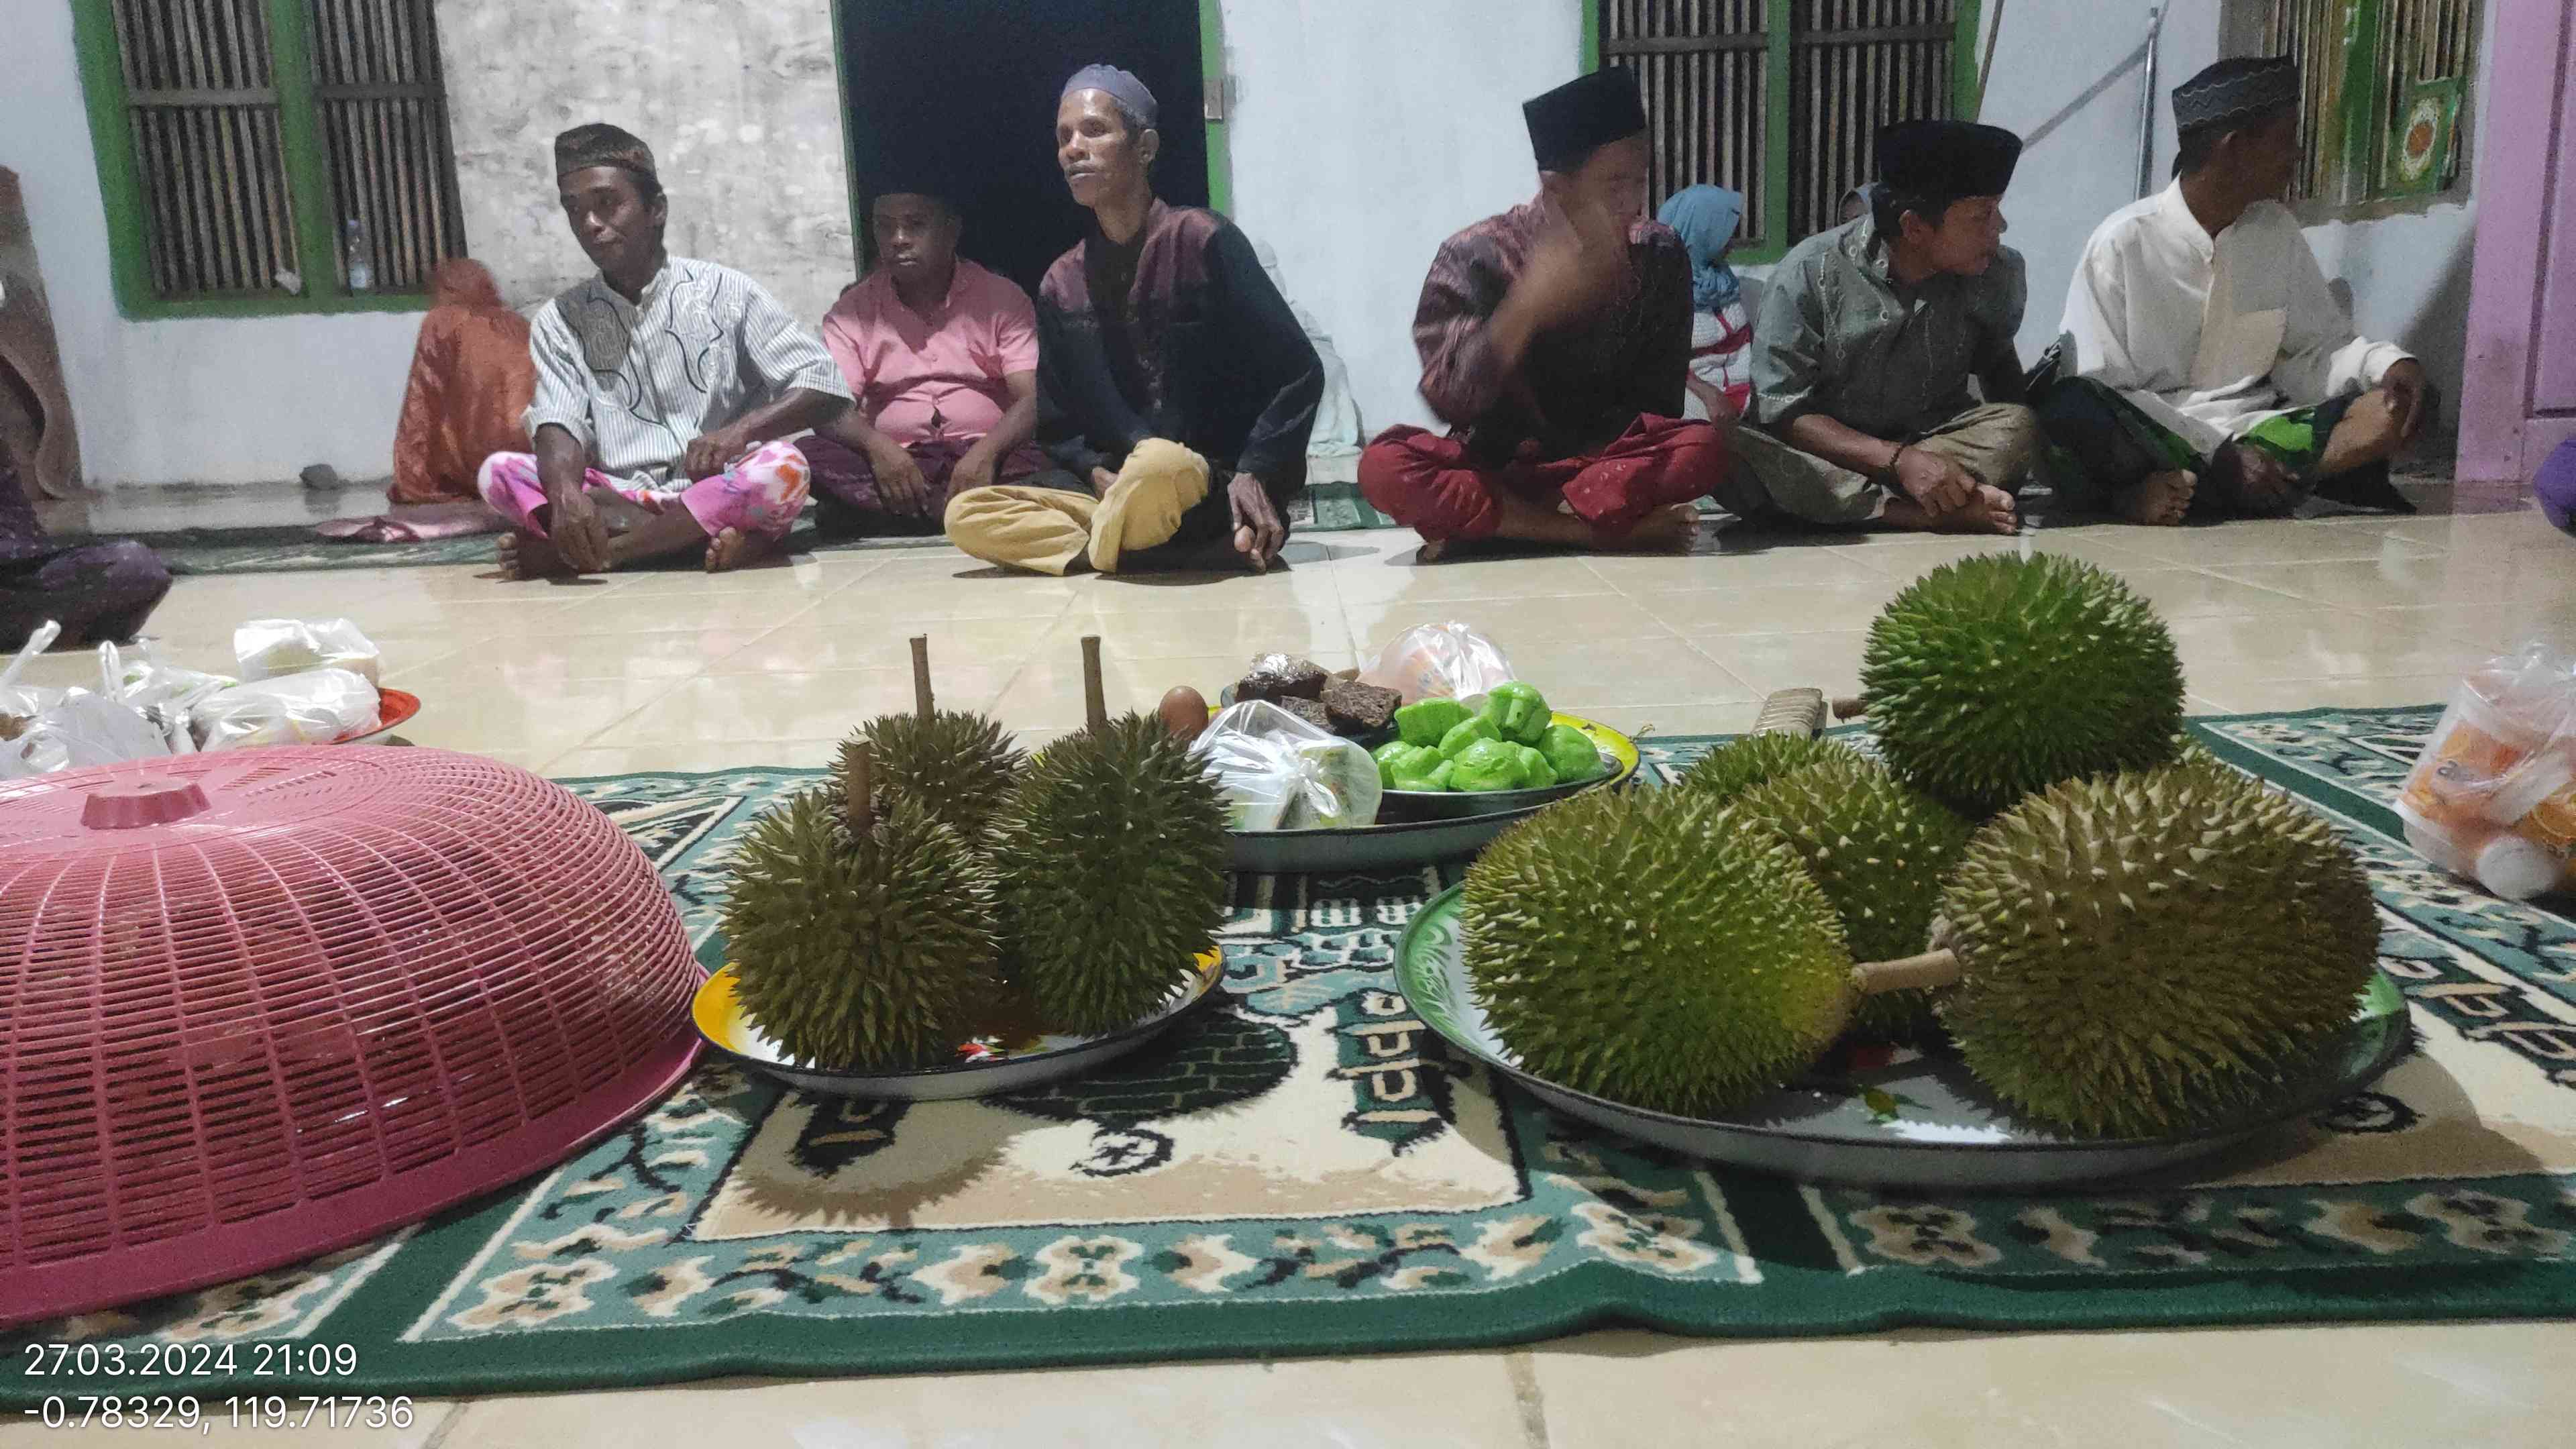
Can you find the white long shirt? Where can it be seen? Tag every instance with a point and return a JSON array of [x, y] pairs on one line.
[[635, 382], [2212, 336]]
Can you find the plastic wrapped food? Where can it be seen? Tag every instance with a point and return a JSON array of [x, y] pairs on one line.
[[275, 648], [312, 708], [1439, 661], [1280, 773], [82, 730], [2493, 795]]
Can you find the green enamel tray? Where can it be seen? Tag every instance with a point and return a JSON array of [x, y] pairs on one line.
[[1921, 1121], [1416, 828]]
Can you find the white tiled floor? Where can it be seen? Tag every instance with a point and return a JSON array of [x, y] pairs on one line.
[[772, 666]]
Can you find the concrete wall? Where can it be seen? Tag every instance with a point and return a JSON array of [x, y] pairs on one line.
[[1364, 134], [740, 102], [215, 401]]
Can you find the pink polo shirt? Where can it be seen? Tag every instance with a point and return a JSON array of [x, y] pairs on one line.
[[921, 378]]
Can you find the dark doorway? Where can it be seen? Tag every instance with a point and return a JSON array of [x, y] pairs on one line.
[[972, 84]]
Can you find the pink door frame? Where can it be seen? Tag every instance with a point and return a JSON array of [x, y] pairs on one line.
[[2518, 395]]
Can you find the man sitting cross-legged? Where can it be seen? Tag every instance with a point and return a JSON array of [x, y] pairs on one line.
[[2206, 370], [1555, 342], [942, 356], [1870, 334], [666, 389], [1173, 380]]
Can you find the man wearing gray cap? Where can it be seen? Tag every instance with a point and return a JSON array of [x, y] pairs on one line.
[[2205, 368], [1173, 380]]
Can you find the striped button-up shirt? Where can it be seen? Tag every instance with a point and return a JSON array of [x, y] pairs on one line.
[[637, 382]]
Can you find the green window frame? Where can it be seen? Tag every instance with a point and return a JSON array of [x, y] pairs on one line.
[[2377, 72], [324, 136], [1899, 56]]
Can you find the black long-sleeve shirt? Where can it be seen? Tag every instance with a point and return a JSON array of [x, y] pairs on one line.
[[1177, 335]]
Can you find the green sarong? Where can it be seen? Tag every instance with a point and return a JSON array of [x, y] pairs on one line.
[[2100, 442]]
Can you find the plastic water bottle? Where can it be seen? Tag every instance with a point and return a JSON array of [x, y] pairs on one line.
[[362, 268]]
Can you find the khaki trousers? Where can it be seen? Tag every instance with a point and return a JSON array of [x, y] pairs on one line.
[[1053, 530], [1994, 443]]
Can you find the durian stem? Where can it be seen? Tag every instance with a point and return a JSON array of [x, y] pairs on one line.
[[1095, 702], [1932, 968], [858, 785], [1850, 706], [1798, 712], [921, 677]]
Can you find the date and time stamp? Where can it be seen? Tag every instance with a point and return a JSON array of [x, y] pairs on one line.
[[239, 1368]]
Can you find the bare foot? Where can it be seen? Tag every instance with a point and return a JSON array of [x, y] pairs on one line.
[[2159, 499], [1989, 510], [1669, 529], [732, 549], [527, 556], [1431, 551]]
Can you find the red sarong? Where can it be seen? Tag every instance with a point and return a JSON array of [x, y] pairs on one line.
[[1425, 481]]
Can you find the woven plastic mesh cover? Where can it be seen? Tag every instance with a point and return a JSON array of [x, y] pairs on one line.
[[258, 1006]]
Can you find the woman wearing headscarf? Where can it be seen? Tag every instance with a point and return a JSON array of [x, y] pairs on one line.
[[1721, 364]]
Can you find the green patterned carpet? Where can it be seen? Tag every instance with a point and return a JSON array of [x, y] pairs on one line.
[[1326, 508], [1306, 1170]]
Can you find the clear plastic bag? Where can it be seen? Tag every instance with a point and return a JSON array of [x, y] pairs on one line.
[[312, 708], [1280, 773], [2493, 795], [85, 729], [275, 648], [1439, 661]]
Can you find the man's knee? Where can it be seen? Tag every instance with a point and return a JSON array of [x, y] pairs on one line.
[[1391, 467], [2371, 430]]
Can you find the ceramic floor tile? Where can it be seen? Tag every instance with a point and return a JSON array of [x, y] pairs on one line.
[[2317, 644], [2499, 627], [539, 661], [1753, 561], [2383, 582], [2280, 1388], [2248, 694], [1769, 611], [1703, 717], [1908, 556], [1501, 578], [906, 602], [539, 724], [1421, 1401], [685, 614], [785, 705], [1579, 673], [1510, 623], [1828, 660], [1047, 693], [878, 642], [2276, 540], [2180, 593], [1182, 633], [1303, 588], [800, 573]]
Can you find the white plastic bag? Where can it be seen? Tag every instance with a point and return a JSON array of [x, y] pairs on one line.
[[312, 708], [24, 702], [85, 729], [1439, 661], [2493, 795], [1280, 773], [274, 648]]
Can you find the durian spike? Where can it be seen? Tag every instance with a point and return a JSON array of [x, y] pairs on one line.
[[1791, 712], [1850, 706], [858, 786], [1095, 702], [921, 701]]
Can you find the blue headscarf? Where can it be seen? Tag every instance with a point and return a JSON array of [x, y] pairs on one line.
[[1707, 216]]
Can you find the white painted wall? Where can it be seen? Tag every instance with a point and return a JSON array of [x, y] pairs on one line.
[[229, 400], [1364, 134]]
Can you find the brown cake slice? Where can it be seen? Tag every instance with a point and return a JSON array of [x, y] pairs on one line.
[[1359, 709], [1307, 710], [1280, 678]]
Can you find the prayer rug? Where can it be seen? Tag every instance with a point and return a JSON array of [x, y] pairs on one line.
[[1305, 1170]]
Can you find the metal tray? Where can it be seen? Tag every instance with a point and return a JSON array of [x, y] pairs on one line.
[[1919, 1122], [1404, 837], [718, 1016]]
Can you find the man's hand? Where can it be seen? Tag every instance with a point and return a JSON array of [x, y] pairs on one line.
[[1577, 265], [711, 453], [1102, 480], [974, 470], [574, 527], [1935, 482], [1259, 533], [2410, 395], [900, 486]]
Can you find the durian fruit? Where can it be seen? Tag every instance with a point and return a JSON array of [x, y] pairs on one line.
[[2147, 951], [1655, 949], [1995, 676], [1115, 846], [957, 765], [1880, 852], [869, 944], [1725, 773]]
